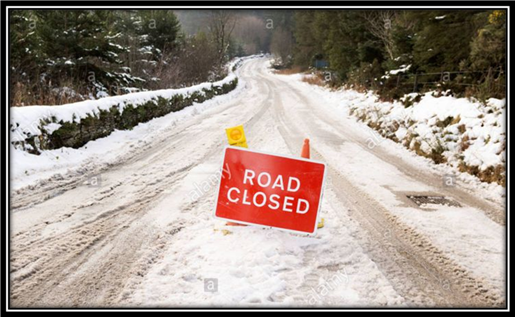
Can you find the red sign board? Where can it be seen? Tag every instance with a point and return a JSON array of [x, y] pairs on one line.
[[270, 190]]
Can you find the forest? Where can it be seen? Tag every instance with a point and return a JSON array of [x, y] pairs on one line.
[[61, 56]]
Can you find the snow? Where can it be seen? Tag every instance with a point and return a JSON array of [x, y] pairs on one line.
[[484, 129], [118, 46], [255, 266], [30, 168], [25, 120], [402, 69], [464, 234], [102, 94], [146, 50], [51, 127], [482, 126], [263, 267], [117, 35]]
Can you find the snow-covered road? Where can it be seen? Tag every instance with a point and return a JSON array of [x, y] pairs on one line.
[[145, 235]]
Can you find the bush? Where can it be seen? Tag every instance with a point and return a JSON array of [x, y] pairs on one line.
[[93, 126]]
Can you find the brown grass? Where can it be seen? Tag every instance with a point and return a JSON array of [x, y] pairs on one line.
[[492, 174], [456, 120], [465, 144], [22, 95], [314, 80], [289, 71]]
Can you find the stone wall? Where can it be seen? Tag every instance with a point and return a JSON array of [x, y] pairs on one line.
[[77, 133]]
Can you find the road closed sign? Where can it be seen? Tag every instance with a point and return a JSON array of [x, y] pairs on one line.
[[270, 190]]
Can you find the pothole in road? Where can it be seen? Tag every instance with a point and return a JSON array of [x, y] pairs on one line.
[[424, 200]]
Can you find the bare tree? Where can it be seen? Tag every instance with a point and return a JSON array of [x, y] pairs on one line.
[[200, 50], [222, 23], [380, 25], [250, 31], [403, 20], [282, 44]]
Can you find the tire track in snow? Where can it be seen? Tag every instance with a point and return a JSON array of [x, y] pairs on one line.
[[89, 263], [412, 263], [492, 210]]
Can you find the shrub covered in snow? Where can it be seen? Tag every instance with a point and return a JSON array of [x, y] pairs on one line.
[[466, 134], [36, 128]]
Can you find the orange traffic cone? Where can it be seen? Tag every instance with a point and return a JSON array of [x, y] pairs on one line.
[[305, 154], [305, 149]]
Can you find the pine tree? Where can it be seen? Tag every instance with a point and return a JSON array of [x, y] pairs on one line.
[[77, 44], [442, 39], [159, 31]]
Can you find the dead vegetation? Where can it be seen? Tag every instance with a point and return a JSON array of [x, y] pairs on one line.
[[289, 71], [314, 79]]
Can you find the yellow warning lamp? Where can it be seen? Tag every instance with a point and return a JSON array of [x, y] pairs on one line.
[[236, 136]]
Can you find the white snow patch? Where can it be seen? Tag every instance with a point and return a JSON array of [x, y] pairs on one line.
[[402, 69]]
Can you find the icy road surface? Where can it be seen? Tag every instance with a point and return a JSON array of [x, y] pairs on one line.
[[144, 235]]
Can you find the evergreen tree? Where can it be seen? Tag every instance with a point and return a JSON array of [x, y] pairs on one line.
[[308, 45], [442, 39], [488, 48], [159, 30], [77, 44]]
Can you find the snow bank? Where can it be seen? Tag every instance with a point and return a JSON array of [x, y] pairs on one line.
[[29, 169], [32, 126], [468, 135], [26, 121]]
